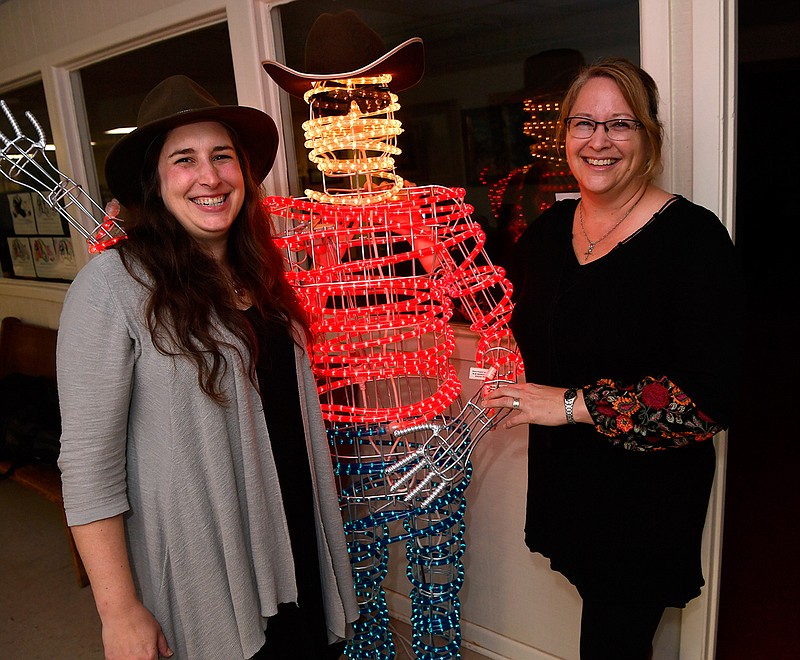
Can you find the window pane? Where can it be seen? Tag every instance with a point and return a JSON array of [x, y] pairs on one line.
[[115, 88], [480, 117], [34, 239]]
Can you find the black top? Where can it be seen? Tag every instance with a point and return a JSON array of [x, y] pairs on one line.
[[663, 303], [297, 631]]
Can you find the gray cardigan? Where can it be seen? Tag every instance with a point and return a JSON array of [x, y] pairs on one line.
[[206, 530]]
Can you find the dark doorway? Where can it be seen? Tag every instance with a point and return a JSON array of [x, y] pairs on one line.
[[760, 584]]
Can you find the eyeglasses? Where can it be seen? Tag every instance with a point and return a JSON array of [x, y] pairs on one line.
[[616, 129]]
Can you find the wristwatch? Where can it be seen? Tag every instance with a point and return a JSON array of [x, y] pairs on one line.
[[569, 403]]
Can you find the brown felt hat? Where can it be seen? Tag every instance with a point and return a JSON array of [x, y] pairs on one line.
[[341, 46], [176, 101]]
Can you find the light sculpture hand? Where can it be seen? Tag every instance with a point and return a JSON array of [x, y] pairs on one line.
[[441, 461], [24, 162]]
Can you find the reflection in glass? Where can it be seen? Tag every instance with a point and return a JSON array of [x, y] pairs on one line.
[[523, 194]]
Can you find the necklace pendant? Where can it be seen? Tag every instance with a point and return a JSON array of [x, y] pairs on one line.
[[589, 251]]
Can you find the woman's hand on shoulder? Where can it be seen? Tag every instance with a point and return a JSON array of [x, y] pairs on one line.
[[112, 209], [134, 634], [537, 404]]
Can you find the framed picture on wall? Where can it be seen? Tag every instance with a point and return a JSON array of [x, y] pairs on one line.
[[22, 217], [48, 221], [66, 254], [21, 256], [53, 257]]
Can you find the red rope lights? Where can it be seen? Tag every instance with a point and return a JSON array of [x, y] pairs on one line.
[[380, 282]]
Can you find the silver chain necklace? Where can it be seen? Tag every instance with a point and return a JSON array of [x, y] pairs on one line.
[[588, 252]]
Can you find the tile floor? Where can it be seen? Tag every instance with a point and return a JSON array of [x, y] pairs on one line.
[[44, 615]]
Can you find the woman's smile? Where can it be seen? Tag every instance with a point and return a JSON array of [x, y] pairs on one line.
[[600, 162], [602, 165], [201, 181], [210, 201]]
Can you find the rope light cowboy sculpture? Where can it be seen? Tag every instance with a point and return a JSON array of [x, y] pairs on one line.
[[380, 265]]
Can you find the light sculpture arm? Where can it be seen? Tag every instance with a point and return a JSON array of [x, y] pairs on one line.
[[20, 158], [484, 295], [480, 289]]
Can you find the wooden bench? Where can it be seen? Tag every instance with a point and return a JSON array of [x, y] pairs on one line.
[[31, 349]]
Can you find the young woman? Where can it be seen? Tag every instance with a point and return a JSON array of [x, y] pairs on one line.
[[194, 461]]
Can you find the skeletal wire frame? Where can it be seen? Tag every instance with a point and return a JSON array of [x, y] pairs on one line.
[[18, 157]]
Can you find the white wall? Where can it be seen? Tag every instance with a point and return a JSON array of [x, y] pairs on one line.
[[32, 302], [513, 605]]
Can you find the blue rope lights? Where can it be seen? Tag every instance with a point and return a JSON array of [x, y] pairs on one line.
[[436, 574], [369, 558], [434, 538]]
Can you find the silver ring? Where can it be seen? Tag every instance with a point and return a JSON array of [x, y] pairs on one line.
[[515, 404]]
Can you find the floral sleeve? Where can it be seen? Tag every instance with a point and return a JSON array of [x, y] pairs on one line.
[[651, 415]]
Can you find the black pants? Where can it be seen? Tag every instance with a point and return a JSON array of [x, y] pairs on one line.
[[611, 630], [289, 637]]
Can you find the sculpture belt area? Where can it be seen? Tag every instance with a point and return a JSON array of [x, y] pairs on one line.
[[380, 266]]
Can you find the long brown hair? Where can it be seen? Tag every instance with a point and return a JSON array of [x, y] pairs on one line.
[[190, 292]]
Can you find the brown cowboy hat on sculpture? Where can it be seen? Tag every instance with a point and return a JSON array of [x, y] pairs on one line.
[[176, 101], [341, 46]]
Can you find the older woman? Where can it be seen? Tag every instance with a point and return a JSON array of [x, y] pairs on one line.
[[195, 466], [628, 320]]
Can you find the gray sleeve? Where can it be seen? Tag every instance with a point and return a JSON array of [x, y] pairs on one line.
[[95, 360]]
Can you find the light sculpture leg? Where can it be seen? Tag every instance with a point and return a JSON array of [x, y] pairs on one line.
[[436, 572], [434, 547], [367, 543], [23, 161], [358, 466]]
